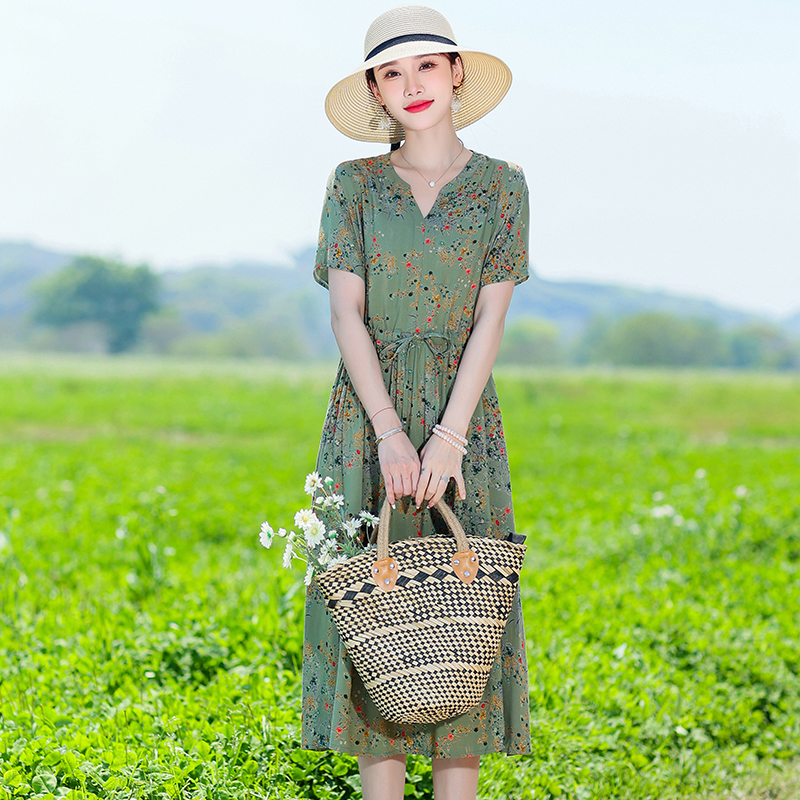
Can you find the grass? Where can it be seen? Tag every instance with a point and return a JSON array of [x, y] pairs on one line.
[[149, 647]]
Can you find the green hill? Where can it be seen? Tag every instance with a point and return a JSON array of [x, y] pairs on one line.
[[257, 307]]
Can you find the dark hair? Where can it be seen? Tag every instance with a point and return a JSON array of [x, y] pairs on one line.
[[451, 57]]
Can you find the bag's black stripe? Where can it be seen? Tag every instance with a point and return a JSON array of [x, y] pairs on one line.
[[409, 37]]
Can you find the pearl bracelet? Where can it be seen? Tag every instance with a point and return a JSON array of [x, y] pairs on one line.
[[450, 440], [454, 434], [387, 434]]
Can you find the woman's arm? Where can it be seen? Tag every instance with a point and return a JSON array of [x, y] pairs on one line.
[[398, 457], [438, 458]]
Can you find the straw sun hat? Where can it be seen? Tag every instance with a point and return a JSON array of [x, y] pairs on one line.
[[412, 31]]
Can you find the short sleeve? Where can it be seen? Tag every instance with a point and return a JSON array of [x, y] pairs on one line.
[[340, 244], [507, 258]]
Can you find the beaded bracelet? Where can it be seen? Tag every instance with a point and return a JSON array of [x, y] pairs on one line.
[[454, 434], [387, 434], [450, 440]]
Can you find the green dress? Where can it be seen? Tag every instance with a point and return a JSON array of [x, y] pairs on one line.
[[422, 277]]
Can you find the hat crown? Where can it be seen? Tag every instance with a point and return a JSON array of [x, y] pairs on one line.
[[406, 21]]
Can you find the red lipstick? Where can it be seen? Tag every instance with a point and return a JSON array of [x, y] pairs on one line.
[[414, 107]]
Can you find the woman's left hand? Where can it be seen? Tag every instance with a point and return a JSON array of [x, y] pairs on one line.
[[440, 461]]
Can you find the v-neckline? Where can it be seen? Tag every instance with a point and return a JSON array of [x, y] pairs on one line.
[[441, 188]]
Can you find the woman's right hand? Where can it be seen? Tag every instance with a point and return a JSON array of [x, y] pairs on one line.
[[399, 462]]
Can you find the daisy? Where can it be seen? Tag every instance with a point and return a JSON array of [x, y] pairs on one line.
[[371, 519], [313, 482], [351, 527], [304, 517], [327, 552], [287, 555], [267, 535], [314, 533]]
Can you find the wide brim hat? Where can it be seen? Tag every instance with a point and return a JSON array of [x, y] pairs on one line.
[[412, 31]]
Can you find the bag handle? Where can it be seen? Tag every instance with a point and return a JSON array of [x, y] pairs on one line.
[[386, 569]]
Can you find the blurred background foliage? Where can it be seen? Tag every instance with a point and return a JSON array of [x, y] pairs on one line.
[[58, 302]]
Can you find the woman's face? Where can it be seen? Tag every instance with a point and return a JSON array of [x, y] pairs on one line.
[[417, 89]]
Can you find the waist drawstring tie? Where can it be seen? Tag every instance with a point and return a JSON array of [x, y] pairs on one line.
[[396, 352]]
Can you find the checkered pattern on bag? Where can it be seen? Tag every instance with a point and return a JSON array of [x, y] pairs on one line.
[[425, 649]]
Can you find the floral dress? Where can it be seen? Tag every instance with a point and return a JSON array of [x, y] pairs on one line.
[[422, 276]]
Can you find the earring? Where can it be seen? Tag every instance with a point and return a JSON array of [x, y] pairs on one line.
[[385, 121], [455, 103], [381, 118]]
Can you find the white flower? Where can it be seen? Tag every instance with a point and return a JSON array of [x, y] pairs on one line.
[[658, 497], [370, 519], [314, 533], [313, 482], [337, 559], [304, 517], [267, 534], [328, 479], [338, 500], [620, 651], [327, 552], [741, 491], [282, 532], [351, 527], [662, 511], [291, 536], [700, 474], [680, 730], [287, 555], [327, 502], [677, 520], [309, 575], [636, 529]]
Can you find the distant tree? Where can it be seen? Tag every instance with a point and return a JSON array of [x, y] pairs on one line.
[[590, 348], [657, 339], [530, 341], [763, 345], [274, 337], [97, 290]]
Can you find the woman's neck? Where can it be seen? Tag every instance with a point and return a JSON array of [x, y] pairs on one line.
[[431, 150]]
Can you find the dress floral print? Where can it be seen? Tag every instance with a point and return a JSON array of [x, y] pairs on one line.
[[422, 275]]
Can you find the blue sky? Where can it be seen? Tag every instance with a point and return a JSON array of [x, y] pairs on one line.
[[661, 141]]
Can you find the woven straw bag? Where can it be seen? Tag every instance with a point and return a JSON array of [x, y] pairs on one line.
[[422, 624]]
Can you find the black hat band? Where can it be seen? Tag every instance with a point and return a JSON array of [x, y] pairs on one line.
[[409, 37]]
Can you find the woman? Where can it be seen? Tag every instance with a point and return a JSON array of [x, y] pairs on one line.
[[420, 248]]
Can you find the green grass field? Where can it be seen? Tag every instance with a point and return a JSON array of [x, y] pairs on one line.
[[150, 647]]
